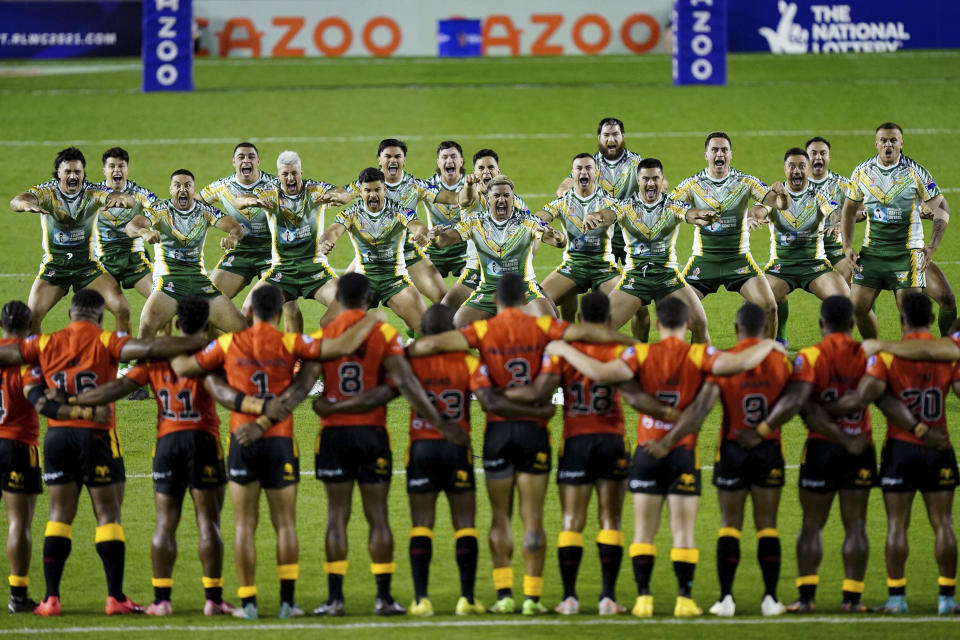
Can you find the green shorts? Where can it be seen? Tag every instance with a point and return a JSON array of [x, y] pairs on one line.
[[247, 262], [384, 283], [300, 280], [798, 274], [482, 297], [708, 273], [587, 272], [76, 273], [470, 278], [449, 260], [185, 281], [651, 282], [412, 254], [834, 250], [127, 267], [890, 269]]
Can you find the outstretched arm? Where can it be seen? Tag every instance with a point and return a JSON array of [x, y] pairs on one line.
[[26, 203], [161, 347], [645, 403], [793, 398], [941, 349], [407, 383], [234, 231], [593, 332], [351, 339], [141, 227], [868, 390], [47, 402], [728, 364], [494, 401], [451, 340], [537, 393], [614, 371], [360, 403], [329, 238], [106, 393]]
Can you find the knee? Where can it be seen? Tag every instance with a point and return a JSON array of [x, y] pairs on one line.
[[534, 541]]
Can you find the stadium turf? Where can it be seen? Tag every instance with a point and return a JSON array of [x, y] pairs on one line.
[[536, 113]]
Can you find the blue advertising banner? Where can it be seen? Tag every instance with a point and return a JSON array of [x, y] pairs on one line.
[[69, 29], [857, 26], [168, 45], [459, 39], [700, 42]]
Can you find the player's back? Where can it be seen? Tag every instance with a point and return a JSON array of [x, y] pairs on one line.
[[747, 397], [183, 404], [445, 378], [588, 406], [835, 366], [18, 420]]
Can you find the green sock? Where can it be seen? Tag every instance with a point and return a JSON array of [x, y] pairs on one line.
[[783, 312], [946, 319]]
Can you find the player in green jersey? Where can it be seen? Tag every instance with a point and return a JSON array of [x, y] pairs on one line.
[[651, 221], [505, 238], [378, 228], [449, 177], [68, 207], [299, 267], [721, 251], [893, 188], [798, 258], [178, 226]]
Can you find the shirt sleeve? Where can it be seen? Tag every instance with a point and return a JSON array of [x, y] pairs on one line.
[[213, 356], [878, 365], [471, 334], [117, 340], [803, 368], [629, 357], [212, 214], [31, 376], [554, 209], [550, 364], [927, 188], [557, 329], [480, 378], [140, 374], [758, 189], [710, 355], [209, 193], [30, 348], [853, 186], [308, 346], [392, 339]]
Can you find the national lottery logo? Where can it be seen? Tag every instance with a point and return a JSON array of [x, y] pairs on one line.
[[288, 235], [494, 267], [695, 274], [61, 238]]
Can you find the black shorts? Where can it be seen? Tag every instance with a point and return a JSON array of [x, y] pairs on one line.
[[678, 473], [273, 462], [90, 457], [908, 467], [515, 446], [586, 458], [185, 459], [827, 467], [439, 465], [19, 467], [344, 454], [738, 468]]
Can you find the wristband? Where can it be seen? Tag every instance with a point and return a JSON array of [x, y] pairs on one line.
[[763, 429], [238, 401], [920, 429], [50, 408], [80, 412], [672, 415], [264, 422], [252, 404]]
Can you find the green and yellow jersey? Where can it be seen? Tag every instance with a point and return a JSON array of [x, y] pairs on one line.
[[480, 208], [111, 236], [796, 235], [69, 222], [296, 224], [619, 177], [378, 238], [650, 230], [222, 194], [437, 212], [572, 210], [182, 234], [503, 247]]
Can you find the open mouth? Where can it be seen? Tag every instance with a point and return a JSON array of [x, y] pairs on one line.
[[720, 163], [650, 193], [818, 165], [373, 203], [290, 186], [182, 200], [486, 179], [584, 181], [392, 170], [450, 168], [73, 183], [117, 178], [795, 181], [246, 170], [501, 208]]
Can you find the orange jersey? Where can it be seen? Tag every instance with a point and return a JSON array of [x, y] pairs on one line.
[[922, 385], [748, 397], [446, 379], [360, 371], [672, 371], [80, 357], [833, 367], [182, 403], [259, 362], [588, 406], [511, 346], [18, 419]]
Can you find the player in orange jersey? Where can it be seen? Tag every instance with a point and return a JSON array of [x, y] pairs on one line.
[[665, 462], [187, 454], [920, 459], [259, 362], [77, 450]]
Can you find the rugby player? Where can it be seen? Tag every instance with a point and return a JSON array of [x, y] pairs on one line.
[[938, 289], [378, 228], [259, 361], [504, 237], [355, 447], [651, 221], [68, 207], [721, 251], [187, 455], [919, 459], [893, 188], [798, 257], [178, 226], [449, 177], [78, 450]]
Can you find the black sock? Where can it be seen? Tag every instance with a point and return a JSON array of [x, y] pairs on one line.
[[213, 593], [248, 600], [852, 597], [504, 593], [287, 590], [684, 573], [570, 557], [55, 552], [611, 556], [945, 590], [728, 558], [467, 551], [112, 554], [768, 555], [421, 552], [20, 593], [642, 569], [808, 592], [161, 593], [383, 586], [335, 586], [897, 591]]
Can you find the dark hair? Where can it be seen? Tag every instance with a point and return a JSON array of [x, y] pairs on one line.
[[836, 313], [595, 307], [193, 311], [816, 139], [87, 301], [917, 310], [16, 316], [353, 291], [449, 144], [485, 153], [672, 313], [437, 319], [890, 125], [795, 151], [68, 155], [752, 320], [115, 152], [371, 174], [267, 302], [606, 121], [584, 155], [246, 144], [716, 134], [511, 290], [650, 163], [182, 172], [392, 142]]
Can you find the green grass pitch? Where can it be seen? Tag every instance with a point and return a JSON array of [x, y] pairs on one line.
[[537, 113]]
